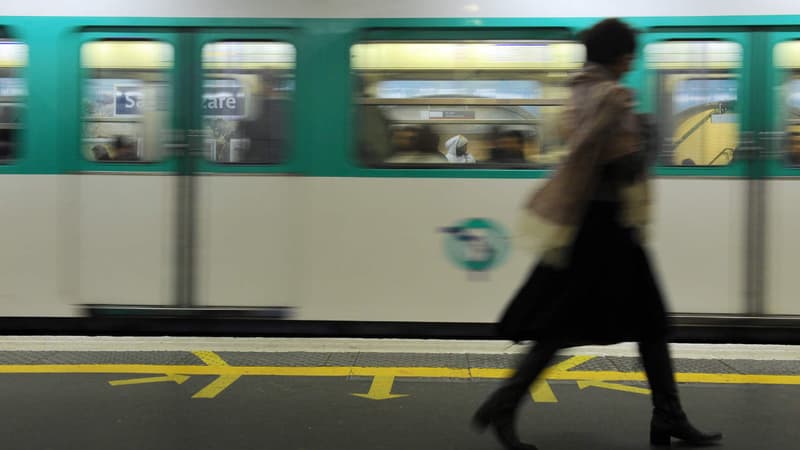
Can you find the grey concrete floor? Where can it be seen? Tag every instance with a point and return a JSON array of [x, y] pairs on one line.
[[83, 412]]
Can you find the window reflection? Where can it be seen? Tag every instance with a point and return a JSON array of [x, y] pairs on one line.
[[125, 99], [787, 58], [466, 103], [13, 91], [697, 94], [247, 95]]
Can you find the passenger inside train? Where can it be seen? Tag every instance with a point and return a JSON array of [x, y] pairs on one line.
[[467, 101], [509, 148], [267, 130], [794, 147], [100, 153], [123, 149], [375, 141], [793, 126], [457, 151], [6, 144], [9, 120], [247, 105], [415, 145]]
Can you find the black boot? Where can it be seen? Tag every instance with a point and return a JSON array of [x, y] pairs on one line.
[[499, 410], [663, 426], [503, 426], [669, 420]]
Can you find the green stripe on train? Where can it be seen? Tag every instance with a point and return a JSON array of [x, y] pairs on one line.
[[52, 123]]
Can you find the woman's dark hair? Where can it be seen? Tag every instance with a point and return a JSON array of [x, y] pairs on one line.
[[608, 40]]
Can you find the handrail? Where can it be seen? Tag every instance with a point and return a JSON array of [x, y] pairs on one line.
[[446, 121], [694, 128], [452, 101], [724, 150]]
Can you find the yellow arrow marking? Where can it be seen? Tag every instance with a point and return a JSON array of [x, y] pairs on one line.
[[408, 372], [384, 376], [381, 389], [616, 387], [568, 364], [180, 379], [541, 392], [222, 382]]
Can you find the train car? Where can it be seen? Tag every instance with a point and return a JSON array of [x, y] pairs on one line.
[[358, 167]]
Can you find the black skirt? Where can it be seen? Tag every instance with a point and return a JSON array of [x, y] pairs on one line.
[[607, 293]]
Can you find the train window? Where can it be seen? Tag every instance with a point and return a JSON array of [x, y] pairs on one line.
[[787, 60], [697, 100], [494, 103], [13, 90], [126, 95], [247, 101]]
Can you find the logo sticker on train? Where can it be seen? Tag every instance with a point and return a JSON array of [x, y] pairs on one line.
[[476, 244]]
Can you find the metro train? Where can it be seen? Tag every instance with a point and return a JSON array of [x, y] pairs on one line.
[[357, 167]]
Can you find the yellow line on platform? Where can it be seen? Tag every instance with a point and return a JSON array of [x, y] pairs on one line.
[[416, 372], [401, 372], [222, 382], [719, 378], [491, 373]]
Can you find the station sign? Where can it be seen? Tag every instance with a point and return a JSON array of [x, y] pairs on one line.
[[445, 115], [132, 98], [223, 101], [128, 100]]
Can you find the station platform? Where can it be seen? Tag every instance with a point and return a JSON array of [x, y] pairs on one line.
[[239, 393]]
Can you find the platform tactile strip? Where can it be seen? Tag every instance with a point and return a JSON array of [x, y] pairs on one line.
[[103, 357], [451, 360], [370, 359]]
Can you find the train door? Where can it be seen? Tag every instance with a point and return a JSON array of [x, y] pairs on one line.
[[126, 166], [696, 85], [245, 204], [183, 140], [782, 170]]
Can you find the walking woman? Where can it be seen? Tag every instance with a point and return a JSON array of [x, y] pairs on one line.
[[593, 283]]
